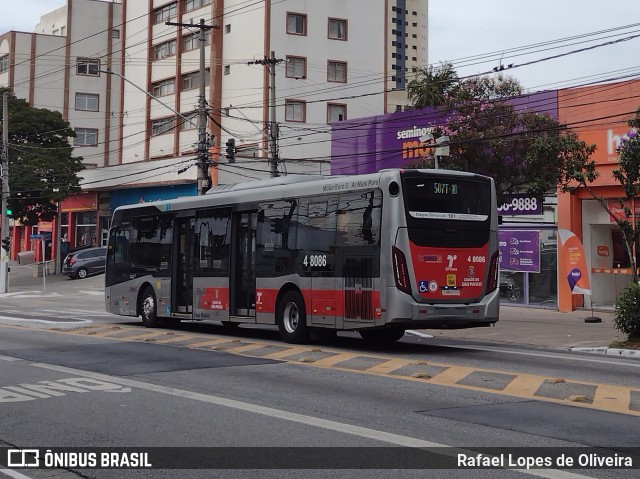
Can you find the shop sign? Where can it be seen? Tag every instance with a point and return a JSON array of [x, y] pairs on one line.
[[519, 250], [603, 250], [521, 204], [575, 262], [618, 212]]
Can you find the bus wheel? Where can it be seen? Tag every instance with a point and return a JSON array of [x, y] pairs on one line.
[[381, 336], [292, 319], [148, 309]]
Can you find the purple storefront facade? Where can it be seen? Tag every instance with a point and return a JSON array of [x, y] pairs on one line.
[[371, 144]]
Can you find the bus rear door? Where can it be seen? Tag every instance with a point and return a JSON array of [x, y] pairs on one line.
[[243, 273], [182, 284]]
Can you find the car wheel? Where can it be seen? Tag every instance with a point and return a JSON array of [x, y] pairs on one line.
[[82, 273], [148, 308], [292, 319], [381, 336]]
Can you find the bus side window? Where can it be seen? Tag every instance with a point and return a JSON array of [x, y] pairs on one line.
[[277, 228], [359, 216]]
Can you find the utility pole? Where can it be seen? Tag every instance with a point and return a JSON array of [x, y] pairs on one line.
[[203, 142], [273, 124], [6, 237]]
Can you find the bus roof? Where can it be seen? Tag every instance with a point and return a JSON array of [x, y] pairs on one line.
[[277, 188]]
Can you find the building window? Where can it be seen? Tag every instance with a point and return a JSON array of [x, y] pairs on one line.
[[296, 67], [296, 24], [165, 13], [190, 81], [336, 71], [336, 112], [62, 30], [164, 50], [165, 87], [195, 4], [86, 137], [115, 33], [162, 125], [191, 42], [227, 28], [190, 122], [87, 66], [337, 29], [295, 110], [227, 69], [87, 102], [4, 63]]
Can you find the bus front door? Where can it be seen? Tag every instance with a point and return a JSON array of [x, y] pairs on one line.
[[182, 284], [243, 279]]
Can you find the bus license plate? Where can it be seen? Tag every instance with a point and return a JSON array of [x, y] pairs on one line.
[[450, 292]]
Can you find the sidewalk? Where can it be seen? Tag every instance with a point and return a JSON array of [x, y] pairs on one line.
[[518, 326]]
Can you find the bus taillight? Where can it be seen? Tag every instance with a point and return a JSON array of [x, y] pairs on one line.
[[492, 283], [401, 274]]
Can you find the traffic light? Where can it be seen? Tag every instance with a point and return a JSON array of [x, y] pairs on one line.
[[231, 150], [6, 243]]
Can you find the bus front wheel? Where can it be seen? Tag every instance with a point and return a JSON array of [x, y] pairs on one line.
[[148, 308], [292, 319]]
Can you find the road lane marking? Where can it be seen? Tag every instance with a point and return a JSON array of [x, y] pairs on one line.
[[612, 398], [13, 474], [571, 357], [350, 429], [521, 386]]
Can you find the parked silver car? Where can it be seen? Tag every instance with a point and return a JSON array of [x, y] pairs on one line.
[[83, 263]]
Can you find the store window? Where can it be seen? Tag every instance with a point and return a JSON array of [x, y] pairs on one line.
[[85, 229]]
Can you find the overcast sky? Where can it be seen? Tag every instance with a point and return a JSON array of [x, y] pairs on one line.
[[466, 28], [461, 29]]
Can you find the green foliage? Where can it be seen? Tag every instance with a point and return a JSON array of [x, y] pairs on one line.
[[626, 317], [431, 86], [42, 169], [524, 151]]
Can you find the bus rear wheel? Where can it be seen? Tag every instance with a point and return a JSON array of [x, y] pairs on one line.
[[292, 319], [148, 308], [381, 336]]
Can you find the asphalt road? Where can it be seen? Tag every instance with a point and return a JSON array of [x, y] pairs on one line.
[[112, 383]]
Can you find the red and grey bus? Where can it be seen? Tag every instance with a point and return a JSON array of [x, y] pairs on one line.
[[378, 253]]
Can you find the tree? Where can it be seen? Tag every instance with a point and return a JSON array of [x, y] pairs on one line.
[[524, 151], [42, 169], [431, 85]]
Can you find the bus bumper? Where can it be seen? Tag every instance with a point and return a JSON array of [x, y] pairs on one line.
[[403, 309]]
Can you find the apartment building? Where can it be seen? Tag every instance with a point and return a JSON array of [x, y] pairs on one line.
[[60, 66], [407, 48], [329, 65], [277, 75]]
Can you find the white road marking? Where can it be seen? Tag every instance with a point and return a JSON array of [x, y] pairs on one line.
[[353, 430], [13, 474], [541, 354], [418, 333], [7, 358], [44, 321]]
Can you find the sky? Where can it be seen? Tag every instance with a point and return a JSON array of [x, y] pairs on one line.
[[462, 29], [490, 30]]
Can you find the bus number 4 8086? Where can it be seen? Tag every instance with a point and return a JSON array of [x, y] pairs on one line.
[[315, 260]]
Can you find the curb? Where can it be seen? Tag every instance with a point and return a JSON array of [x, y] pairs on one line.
[[628, 353]]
